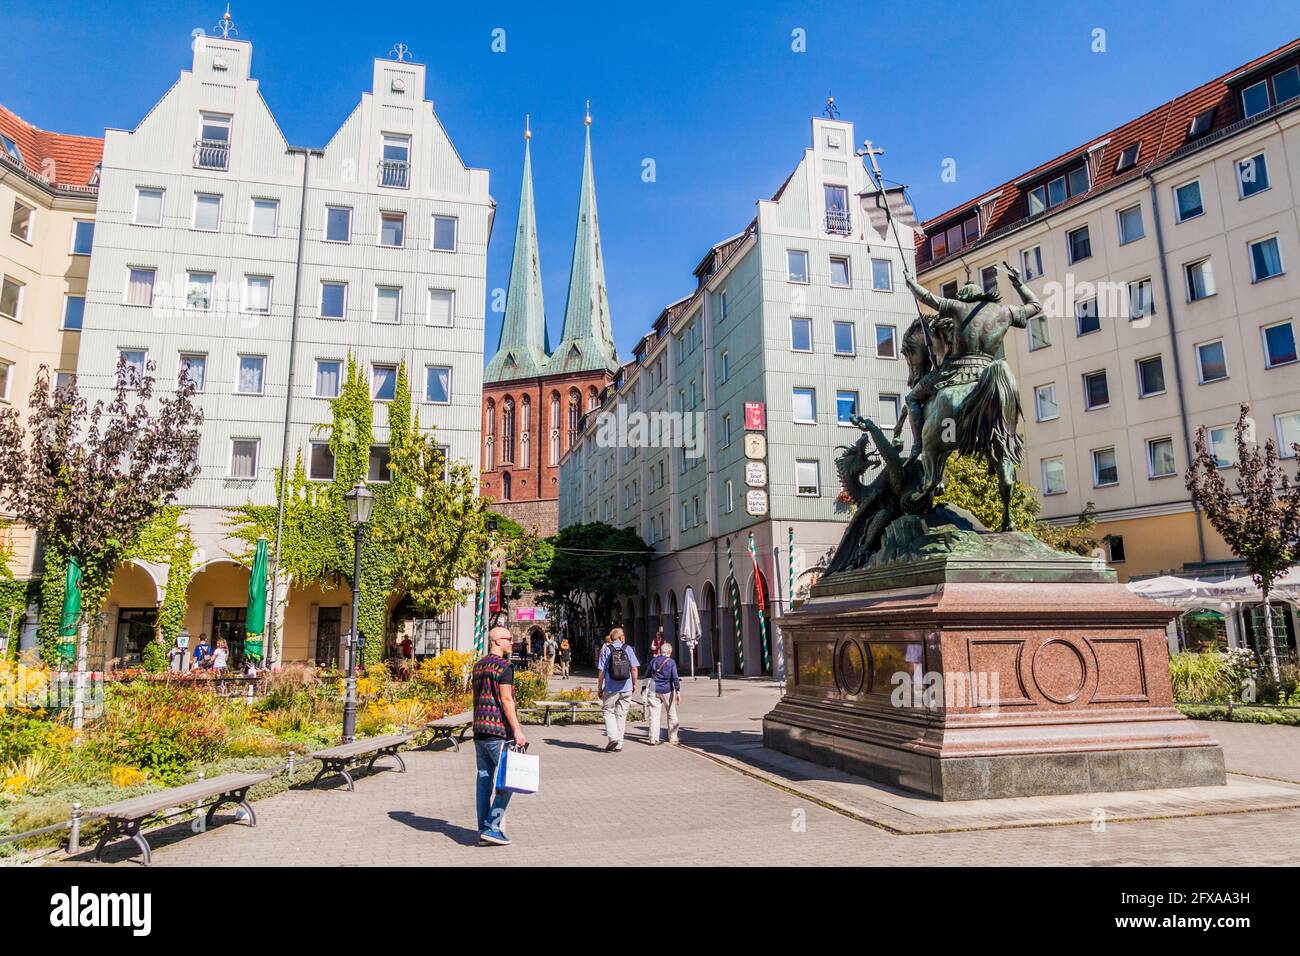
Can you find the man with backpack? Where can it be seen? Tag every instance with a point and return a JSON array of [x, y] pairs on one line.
[[615, 681]]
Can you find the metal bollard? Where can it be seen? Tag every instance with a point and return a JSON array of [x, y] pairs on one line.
[[74, 831], [290, 771]]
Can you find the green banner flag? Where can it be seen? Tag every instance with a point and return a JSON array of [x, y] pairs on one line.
[[71, 617], [255, 620]]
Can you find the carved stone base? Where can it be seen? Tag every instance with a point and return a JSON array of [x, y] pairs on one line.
[[968, 690]]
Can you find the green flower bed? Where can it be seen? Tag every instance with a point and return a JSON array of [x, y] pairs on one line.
[[1288, 716]]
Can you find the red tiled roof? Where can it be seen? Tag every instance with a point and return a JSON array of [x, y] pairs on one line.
[[1161, 132], [58, 158]]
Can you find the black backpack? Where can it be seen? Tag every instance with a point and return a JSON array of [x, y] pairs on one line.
[[618, 667]]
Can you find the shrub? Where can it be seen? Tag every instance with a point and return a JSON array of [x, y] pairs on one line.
[[289, 685], [447, 673], [32, 775], [530, 687], [1200, 678], [153, 656], [126, 777], [163, 728]]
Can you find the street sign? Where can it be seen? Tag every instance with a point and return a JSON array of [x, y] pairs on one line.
[[756, 502], [756, 474], [755, 445]]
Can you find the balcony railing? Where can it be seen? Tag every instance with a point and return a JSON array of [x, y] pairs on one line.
[[394, 173], [211, 153], [837, 221]]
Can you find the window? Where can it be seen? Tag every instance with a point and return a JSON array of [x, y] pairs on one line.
[[148, 207], [377, 467], [328, 380], [722, 305], [1115, 548], [801, 335], [444, 233], [11, 299], [213, 148], [805, 406], [252, 375], [263, 217], [243, 457], [6, 379], [1086, 319], [1096, 390], [891, 407], [1254, 99], [1039, 337], [796, 266], [726, 430], [333, 299], [1223, 445], [1279, 344], [63, 380], [886, 347], [198, 290], [724, 367], [1160, 457], [207, 212], [1057, 190], [1128, 158], [1105, 471], [1252, 175], [938, 245], [388, 304], [1265, 259], [83, 237], [882, 275], [1130, 224], [731, 498], [1031, 262], [257, 294], [136, 362], [1201, 123], [395, 163], [948, 290], [840, 272], [392, 229], [139, 286], [1078, 244], [383, 382], [320, 465], [1045, 406], [20, 227], [844, 344], [846, 406], [12, 150], [437, 384], [989, 279], [1141, 300], [1151, 376], [1187, 200], [1211, 363], [805, 478], [1053, 476], [338, 223], [686, 515], [1200, 280], [442, 308], [74, 312], [1288, 433], [837, 208]]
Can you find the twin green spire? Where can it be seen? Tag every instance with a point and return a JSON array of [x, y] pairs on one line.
[[587, 343]]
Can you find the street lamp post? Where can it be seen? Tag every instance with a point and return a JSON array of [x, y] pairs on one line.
[[359, 502], [507, 589]]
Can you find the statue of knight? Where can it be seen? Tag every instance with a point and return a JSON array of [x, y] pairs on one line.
[[970, 404]]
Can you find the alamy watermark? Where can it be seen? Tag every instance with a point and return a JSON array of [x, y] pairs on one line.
[[628, 429]]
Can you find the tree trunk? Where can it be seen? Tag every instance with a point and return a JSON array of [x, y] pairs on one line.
[[1268, 635]]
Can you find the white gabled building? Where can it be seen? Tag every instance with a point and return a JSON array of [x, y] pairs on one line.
[[212, 229]]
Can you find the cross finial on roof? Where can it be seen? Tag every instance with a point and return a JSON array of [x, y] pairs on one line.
[[226, 26], [871, 152], [831, 109], [400, 52]]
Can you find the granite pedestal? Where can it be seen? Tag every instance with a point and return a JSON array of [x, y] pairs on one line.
[[967, 681]]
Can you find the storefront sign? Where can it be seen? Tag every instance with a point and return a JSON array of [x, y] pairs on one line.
[[756, 474], [755, 445], [756, 502]]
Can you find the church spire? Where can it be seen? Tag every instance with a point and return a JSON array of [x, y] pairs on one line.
[[524, 344], [588, 339]]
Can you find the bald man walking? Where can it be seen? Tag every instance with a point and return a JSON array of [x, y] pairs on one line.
[[495, 722]]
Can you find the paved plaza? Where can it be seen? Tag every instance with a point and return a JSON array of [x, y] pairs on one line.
[[710, 802]]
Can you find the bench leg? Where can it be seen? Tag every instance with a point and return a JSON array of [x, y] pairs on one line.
[[128, 828], [546, 717], [329, 769], [109, 833], [390, 752], [239, 797], [133, 831]]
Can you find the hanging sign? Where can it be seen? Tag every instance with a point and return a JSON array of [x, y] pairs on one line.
[[756, 474], [755, 445], [755, 416], [756, 502]]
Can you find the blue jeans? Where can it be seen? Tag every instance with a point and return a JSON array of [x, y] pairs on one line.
[[491, 810]]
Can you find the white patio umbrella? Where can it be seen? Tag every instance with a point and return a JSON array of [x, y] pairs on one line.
[[691, 625], [1168, 587]]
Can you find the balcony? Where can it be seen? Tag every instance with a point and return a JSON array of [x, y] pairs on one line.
[[838, 222], [394, 173], [211, 153]]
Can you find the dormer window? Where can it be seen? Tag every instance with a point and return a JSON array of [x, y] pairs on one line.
[[1128, 158], [11, 149], [954, 238], [395, 163], [1201, 124], [1058, 189], [1260, 97], [212, 151]]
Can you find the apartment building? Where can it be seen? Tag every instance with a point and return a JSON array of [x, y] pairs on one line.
[[258, 268], [1167, 254], [792, 327]]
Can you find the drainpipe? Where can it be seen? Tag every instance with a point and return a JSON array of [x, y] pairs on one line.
[[1173, 342], [274, 648]]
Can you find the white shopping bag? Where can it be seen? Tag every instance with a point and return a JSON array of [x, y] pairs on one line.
[[518, 772]]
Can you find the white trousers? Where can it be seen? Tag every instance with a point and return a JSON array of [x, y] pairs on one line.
[[615, 708], [658, 703]]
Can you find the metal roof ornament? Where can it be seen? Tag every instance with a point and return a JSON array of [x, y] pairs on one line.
[[226, 26], [400, 52]]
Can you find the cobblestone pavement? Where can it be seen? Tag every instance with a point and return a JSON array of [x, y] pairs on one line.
[[595, 808]]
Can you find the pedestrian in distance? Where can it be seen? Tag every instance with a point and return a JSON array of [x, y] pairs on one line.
[[615, 681], [665, 694], [564, 656], [550, 650], [496, 723], [202, 653]]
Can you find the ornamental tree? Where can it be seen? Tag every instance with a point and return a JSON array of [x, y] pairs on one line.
[[90, 479], [595, 564], [528, 556], [1260, 521]]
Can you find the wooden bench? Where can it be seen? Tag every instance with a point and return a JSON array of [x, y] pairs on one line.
[[339, 759], [453, 727], [574, 707], [126, 816]]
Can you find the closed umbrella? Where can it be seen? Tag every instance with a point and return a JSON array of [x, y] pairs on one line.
[[255, 620], [691, 625], [71, 612]]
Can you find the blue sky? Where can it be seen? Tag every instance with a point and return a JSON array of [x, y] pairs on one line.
[[713, 93]]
